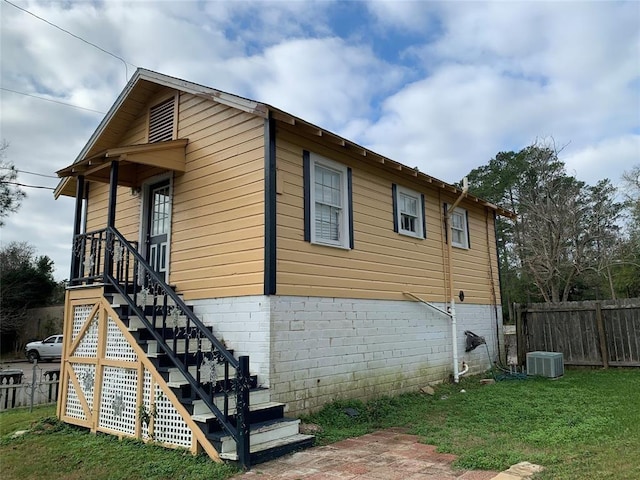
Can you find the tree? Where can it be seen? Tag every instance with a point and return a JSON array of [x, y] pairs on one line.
[[566, 232], [499, 182], [26, 281], [631, 180], [10, 194], [627, 279], [603, 224]]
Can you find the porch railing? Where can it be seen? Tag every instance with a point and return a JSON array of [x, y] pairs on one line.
[[105, 256]]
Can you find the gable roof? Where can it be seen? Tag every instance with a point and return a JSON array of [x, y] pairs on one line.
[[145, 83]]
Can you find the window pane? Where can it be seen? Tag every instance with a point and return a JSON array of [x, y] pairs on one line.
[[408, 223], [160, 211], [327, 186], [459, 229], [327, 222], [328, 202], [457, 221], [408, 205]]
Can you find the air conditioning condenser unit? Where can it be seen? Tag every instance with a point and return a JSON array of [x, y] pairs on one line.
[[546, 364]]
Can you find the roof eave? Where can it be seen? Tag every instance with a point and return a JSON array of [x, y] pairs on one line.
[[285, 117]]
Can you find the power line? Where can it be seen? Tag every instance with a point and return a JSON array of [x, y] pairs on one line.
[[38, 174], [50, 100], [29, 173], [27, 186], [126, 70]]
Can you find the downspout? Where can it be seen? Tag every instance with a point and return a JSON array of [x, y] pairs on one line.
[[452, 303]]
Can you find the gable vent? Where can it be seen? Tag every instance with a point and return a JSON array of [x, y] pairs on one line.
[[161, 121]]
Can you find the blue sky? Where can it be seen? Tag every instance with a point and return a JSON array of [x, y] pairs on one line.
[[439, 85]]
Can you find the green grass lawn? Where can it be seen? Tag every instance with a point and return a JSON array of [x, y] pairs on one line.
[[54, 450], [584, 425]]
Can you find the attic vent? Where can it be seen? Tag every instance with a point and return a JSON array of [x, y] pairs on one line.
[[161, 121]]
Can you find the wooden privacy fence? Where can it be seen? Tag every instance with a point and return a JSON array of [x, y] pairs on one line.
[[40, 391], [587, 333]]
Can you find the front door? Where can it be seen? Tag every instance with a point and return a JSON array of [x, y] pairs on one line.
[[158, 218]]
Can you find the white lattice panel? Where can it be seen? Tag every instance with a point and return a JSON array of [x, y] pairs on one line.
[[168, 425], [118, 404], [80, 314], [74, 407], [88, 346], [146, 400], [118, 347], [86, 375]]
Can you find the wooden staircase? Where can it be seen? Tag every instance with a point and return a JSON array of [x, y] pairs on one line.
[[271, 434]]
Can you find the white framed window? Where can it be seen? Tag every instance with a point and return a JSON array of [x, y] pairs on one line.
[[409, 212], [459, 228], [329, 203]]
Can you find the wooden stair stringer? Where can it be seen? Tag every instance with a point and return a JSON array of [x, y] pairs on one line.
[[201, 439]]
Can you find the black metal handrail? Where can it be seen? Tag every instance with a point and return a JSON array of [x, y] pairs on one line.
[[106, 256]]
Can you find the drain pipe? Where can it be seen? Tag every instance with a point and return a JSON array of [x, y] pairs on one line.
[[465, 366], [452, 303]]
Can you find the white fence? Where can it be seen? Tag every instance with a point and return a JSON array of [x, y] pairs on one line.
[[40, 390]]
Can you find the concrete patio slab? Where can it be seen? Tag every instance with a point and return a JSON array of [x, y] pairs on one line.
[[384, 455]]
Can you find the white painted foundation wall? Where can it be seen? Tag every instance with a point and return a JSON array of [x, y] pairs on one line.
[[311, 351]]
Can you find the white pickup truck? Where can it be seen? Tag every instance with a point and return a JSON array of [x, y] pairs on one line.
[[48, 349]]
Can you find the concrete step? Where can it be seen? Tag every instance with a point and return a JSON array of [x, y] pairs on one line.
[[118, 300], [176, 380], [258, 396], [175, 376], [274, 448], [204, 415], [153, 350], [261, 433], [135, 323]]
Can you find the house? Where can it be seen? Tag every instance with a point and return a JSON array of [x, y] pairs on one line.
[[233, 263]]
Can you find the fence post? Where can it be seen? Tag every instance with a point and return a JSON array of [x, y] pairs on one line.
[[602, 336], [520, 336], [33, 385]]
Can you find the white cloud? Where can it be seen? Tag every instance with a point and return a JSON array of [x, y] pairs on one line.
[[501, 75], [471, 79], [324, 81], [412, 16], [605, 159]]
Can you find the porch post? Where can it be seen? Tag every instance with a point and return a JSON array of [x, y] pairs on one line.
[[242, 411], [111, 218], [113, 192], [75, 259]]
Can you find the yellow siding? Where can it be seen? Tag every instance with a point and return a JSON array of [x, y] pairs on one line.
[[383, 263], [127, 210], [217, 231], [217, 235]]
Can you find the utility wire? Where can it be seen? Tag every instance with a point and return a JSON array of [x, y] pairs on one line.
[[38, 174], [50, 100], [27, 186], [28, 173], [126, 70]]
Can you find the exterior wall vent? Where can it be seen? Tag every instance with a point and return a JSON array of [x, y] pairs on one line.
[[546, 364], [161, 121]]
